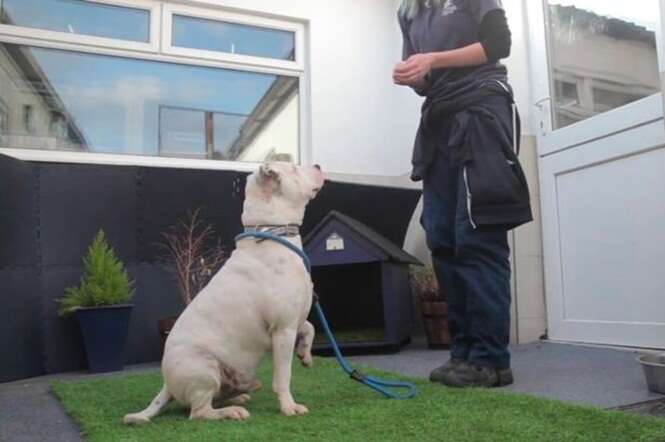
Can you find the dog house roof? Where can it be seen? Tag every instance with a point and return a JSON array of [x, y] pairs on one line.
[[363, 233]]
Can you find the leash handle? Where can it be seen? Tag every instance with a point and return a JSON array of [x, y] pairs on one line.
[[377, 384]]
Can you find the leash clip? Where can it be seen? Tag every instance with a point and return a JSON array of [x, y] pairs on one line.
[[358, 376]]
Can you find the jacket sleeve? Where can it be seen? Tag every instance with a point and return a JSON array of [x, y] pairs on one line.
[[494, 35], [478, 8]]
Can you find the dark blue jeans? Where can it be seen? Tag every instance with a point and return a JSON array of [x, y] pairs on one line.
[[472, 266]]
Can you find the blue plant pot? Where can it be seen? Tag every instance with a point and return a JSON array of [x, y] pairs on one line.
[[105, 332]]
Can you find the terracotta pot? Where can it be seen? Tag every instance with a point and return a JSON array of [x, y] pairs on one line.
[[435, 318], [165, 325]]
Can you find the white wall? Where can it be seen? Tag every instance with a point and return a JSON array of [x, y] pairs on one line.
[[518, 63]]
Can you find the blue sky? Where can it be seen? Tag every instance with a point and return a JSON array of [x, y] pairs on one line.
[[107, 96], [226, 37], [79, 17]]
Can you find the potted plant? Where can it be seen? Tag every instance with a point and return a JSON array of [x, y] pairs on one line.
[[433, 306], [101, 304], [195, 256]]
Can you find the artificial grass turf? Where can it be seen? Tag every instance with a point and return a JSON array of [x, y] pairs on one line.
[[343, 410]]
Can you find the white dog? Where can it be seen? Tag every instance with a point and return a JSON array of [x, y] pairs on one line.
[[258, 301]]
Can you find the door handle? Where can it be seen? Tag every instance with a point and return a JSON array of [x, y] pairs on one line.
[[541, 123]]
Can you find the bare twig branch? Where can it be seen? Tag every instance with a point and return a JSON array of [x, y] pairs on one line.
[[193, 254]]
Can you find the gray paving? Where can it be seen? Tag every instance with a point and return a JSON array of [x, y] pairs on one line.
[[30, 412], [598, 376], [607, 378]]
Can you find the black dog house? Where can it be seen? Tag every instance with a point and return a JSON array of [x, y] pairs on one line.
[[363, 283]]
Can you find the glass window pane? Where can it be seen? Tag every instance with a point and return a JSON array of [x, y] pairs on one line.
[[227, 128], [182, 132], [78, 17], [61, 100], [233, 38], [4, 120], [603, 56]]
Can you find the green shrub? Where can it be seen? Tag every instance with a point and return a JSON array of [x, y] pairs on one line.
[[105, 281]]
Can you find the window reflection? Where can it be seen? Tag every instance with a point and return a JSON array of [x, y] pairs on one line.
[[233, 38], [78, 17], [603, 56], [4, 120], [73, 101]]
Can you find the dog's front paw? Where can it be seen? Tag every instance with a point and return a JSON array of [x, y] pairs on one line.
[[135, 419], [235, 413], [306, 360], [294, 410]]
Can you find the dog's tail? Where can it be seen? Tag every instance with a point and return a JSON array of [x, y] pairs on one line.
[[156, 406]]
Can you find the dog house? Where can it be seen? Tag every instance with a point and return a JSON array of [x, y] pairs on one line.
[[362, 281]]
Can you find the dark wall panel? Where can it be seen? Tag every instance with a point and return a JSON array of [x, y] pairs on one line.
[[20, 291], [49, 214], [78, 200], [63, 343], [18, 234], [21, 350], [386, 210], [168, 195], [156, 297]]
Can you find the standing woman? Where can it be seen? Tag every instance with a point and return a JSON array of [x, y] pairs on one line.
[[474, 190]]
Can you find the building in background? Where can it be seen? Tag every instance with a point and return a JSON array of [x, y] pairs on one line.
[[32, 114], [599, 62]]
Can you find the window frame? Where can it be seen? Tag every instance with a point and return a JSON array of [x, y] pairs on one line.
[[170, 9], [152, 45], [155, 51]]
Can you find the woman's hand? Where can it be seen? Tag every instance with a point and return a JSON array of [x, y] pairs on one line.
[[413, 70]]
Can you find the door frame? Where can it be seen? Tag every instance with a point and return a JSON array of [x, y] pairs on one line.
[[589, 143]]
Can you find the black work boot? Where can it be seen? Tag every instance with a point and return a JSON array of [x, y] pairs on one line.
[[437, 375], [469, 375]]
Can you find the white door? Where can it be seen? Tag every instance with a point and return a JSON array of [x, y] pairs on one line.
[[599, 111]]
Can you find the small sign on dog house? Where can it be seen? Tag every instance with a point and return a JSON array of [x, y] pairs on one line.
[[334, 242]]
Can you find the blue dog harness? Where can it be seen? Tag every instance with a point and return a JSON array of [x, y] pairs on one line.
[[380, 385]]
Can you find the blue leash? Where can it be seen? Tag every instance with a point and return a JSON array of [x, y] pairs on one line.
[[380, 385]]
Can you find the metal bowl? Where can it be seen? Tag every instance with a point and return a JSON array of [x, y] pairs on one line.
[[653, 365]]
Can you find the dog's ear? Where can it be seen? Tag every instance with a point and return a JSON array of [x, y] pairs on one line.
[[269, 180], [268, 174]]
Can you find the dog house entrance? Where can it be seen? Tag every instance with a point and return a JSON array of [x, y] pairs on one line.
[[352, 300]]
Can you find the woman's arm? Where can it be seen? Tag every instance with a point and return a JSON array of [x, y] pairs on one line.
[[494, 44], [416, 67]]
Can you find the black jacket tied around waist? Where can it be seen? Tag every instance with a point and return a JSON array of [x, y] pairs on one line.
[[484, 136]]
